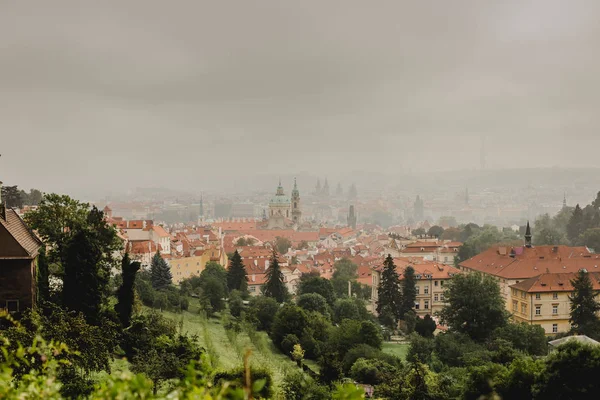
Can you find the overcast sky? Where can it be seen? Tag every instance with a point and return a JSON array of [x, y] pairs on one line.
[[111, 94]]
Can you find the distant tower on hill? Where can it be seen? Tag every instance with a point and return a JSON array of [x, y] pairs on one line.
[[352, 218], [326, 189], [565, 201], [318, 187], [418, 209], [528, 235], [296, 211]]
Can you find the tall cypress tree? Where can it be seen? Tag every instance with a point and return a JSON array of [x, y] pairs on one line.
[[237, 277], [584, 306], [409, 290], [125, 293], [160, 273], [274, 286], [43, 276], [389, 296], [575, 224]]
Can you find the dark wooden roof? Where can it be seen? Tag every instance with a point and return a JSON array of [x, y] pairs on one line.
[[21, 233]]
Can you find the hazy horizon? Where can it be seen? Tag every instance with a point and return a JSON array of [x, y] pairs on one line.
[[191, 94]]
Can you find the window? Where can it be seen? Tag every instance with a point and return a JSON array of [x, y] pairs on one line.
[[441, 297], [417, 288], [252, 288], [515, 305], [523, 295], [538, 296], [12, 306], [523, 308], [554, 328], [554, 309], [427, 304], [441, 283], [446, 259], [555, 296], [514, 292], [538, 310], [435, 297], [435, 283], [417, 305], [426, 290]]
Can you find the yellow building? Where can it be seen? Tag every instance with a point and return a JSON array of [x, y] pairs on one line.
[[544, 300], [186, 267]]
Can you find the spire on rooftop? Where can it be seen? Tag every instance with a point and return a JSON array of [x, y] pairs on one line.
[[528, 235]]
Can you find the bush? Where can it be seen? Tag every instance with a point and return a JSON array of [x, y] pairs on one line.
[[425, 326], [288, 343], [236, 304], [299, 386], [237, 378], [345, 309], [369, 353], [262, 311], [314, 302], [372, 372], [420, 349], [290, 319]]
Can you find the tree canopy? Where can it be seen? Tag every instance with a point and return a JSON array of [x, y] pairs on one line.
[[237, 277], [275, 286]]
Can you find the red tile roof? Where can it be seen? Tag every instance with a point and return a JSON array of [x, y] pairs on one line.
[[554, 282]]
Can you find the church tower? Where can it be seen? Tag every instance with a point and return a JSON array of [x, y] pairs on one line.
[[352, 218], [528, 235], [296, 210]]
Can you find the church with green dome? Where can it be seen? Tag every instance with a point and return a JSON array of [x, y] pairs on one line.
[[284, 212]]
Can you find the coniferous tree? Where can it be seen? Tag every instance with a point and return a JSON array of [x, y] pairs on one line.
[[237, 277], [575, 225], [87, 262], [409, 290], [584, 306], [389, 296], [160, 273], [274, 286], [126, 293], [43, 275]]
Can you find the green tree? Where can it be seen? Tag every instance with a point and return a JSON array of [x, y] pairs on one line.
[[126, 292], [584, 306], [87, 265], [409, 290], [290, 319], [420, 349], [12, 197], [236, 303], [160, 272], [389, 295], [56, 220], [262, 311], [345, 309], [591, 239], [275, 286], [313, 302], [571, 373], [425, 327], [474, 306], [530, 339], [344, 271], [282, 244], [576, 224], [313, 283], [435, 231], [212, 295], [237, 277], [419, 232], [43, 276]]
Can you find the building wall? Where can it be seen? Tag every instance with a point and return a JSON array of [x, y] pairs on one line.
[[183, 268], [430, 296], [523, 308], [17, 282]]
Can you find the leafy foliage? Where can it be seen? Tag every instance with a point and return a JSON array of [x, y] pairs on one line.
[[126, 292], [274, 286], [474, 306], [584, 307], [389, 295]]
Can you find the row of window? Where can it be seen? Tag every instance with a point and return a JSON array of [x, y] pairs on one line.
[[425, 305], [538, 308], [538, 296]]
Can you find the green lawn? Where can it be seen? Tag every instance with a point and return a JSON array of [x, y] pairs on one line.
[[227, 348], [397, 349]]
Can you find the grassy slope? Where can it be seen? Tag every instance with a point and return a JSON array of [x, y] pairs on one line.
[[397, 349], [227, 349]]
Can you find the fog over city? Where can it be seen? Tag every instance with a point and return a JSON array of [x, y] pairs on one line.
[[104, 96]]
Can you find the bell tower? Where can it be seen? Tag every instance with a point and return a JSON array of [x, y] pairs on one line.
[[296, 211]]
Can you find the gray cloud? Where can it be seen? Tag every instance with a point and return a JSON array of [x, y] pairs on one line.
[[118, 93]]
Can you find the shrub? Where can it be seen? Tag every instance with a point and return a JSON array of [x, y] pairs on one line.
[[237, 378]]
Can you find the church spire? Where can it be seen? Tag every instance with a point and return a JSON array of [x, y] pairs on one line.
[[565, 200], [528, 235]]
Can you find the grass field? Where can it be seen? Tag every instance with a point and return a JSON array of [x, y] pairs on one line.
[[397, 349], [227, 348]]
